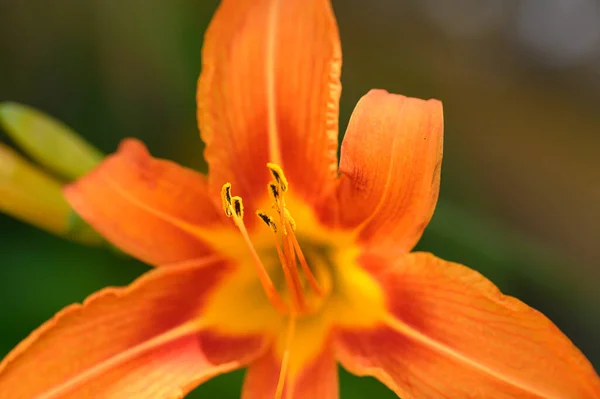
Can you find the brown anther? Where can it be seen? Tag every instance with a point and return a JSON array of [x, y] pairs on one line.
[[268, 220], [274, 191], [278, 175], [238, 207], [226, 199]]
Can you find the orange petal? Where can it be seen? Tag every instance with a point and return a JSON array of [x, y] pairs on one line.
[[319, 378], [452, 334], [143, 341], [390, 166], [154, 209], [269, 92]]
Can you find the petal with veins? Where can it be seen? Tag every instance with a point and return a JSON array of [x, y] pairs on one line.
[[144, 341], [153, 209], [451, 333], [317, 379], [269, 92], [390, 169]]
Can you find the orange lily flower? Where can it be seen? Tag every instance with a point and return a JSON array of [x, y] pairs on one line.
[[320, 274]]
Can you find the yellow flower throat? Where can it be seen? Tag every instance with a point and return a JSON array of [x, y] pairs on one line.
[[303, 292], [293, 295]]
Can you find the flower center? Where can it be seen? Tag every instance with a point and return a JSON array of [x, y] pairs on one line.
[[305, 286]]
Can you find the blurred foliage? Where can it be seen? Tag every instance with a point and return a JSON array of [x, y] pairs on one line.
[[520, 187]]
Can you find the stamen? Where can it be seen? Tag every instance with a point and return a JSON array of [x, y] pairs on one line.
[[285, 361], [274, 192], [292, 283], [226, 198], [263, 276], [278, 204], [288, 249], [289, 263], [310, 277], [288, 224], [236, 209], [290, 219], [289, 260], [278, 175], [268, 221]]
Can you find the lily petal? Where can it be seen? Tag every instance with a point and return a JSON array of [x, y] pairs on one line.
[[318, 379], [143, 341], [451, 333], [269, 92], [390, 165], [153, 209]]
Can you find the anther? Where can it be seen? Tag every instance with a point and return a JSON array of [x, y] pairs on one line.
[[278, 175], [268, 220], [238, 206], [274, 191], [226, 199]]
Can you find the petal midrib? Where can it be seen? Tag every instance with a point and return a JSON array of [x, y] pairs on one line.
[[415, 335], [270, 75], [194, 230], [388, 177], [181, 331]]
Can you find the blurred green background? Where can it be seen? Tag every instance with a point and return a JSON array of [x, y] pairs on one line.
[[520, 82]]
